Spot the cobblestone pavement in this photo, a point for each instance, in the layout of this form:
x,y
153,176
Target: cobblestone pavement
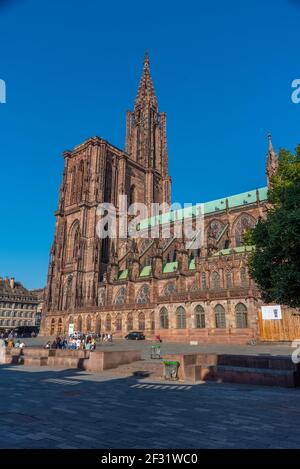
x,y
46,408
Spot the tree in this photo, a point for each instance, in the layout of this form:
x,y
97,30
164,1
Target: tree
x,y
275,262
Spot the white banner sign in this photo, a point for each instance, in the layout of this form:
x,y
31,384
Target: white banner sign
x,y
271,312
71,329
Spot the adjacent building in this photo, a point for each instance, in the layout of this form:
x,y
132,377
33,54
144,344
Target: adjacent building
x,y
18,306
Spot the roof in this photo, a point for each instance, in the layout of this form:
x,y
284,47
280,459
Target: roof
x,y
18,291
238,250
214,206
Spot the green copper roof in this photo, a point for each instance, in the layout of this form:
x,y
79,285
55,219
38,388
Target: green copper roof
x,y
123,274
214,206
146,271
238,250
170,267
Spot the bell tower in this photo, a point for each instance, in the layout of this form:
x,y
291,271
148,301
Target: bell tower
x,y
146,139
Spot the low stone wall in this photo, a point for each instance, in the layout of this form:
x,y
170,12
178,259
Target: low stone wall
x,y
100,361
270,371
95,361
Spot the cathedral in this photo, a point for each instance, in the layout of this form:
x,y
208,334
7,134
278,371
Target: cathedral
x,y
158,286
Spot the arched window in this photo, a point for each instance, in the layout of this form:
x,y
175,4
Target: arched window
x,y
79,324
228,276
220,317
98,325
132,194
244,223
152,321
129,322
180,318
119,322
199,317
143,295
169,289
120,296
215,281
241,315
142,321
101,297
203,281
73,241
59,327
71,320
52,327
164,318
243,276
88,324
108,322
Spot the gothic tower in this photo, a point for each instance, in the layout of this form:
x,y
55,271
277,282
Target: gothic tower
x,y
272,161
146,140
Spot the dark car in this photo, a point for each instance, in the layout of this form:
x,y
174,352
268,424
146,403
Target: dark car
x,y
135,336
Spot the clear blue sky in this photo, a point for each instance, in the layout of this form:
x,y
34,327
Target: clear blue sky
x,y
222,71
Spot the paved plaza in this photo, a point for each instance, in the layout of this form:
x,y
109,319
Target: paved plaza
x,y
51,408
167,347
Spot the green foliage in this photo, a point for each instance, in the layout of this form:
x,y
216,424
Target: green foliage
x,y
275,264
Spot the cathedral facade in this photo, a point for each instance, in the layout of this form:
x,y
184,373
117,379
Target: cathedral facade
x,y
158,286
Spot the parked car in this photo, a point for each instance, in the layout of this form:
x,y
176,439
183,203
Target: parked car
x,y
135,336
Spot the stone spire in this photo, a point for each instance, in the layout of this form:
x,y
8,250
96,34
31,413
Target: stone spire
x,y
146,94
272,160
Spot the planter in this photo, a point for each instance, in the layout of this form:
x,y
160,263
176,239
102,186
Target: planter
x,y
155,352
171,370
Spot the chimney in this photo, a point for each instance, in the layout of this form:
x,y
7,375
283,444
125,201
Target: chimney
x,y
12,283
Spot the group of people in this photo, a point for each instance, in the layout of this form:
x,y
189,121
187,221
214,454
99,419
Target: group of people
x,y
10,343
79,341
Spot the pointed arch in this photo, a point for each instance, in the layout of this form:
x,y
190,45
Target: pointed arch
x,y
220,317
142,323
118,322
120,296
180,318
215,280
241,316
242,224
164,318
143,295
73,241
200,322
129,322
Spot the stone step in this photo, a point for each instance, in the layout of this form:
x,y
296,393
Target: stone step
x,y
246,375
65,362
34,361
